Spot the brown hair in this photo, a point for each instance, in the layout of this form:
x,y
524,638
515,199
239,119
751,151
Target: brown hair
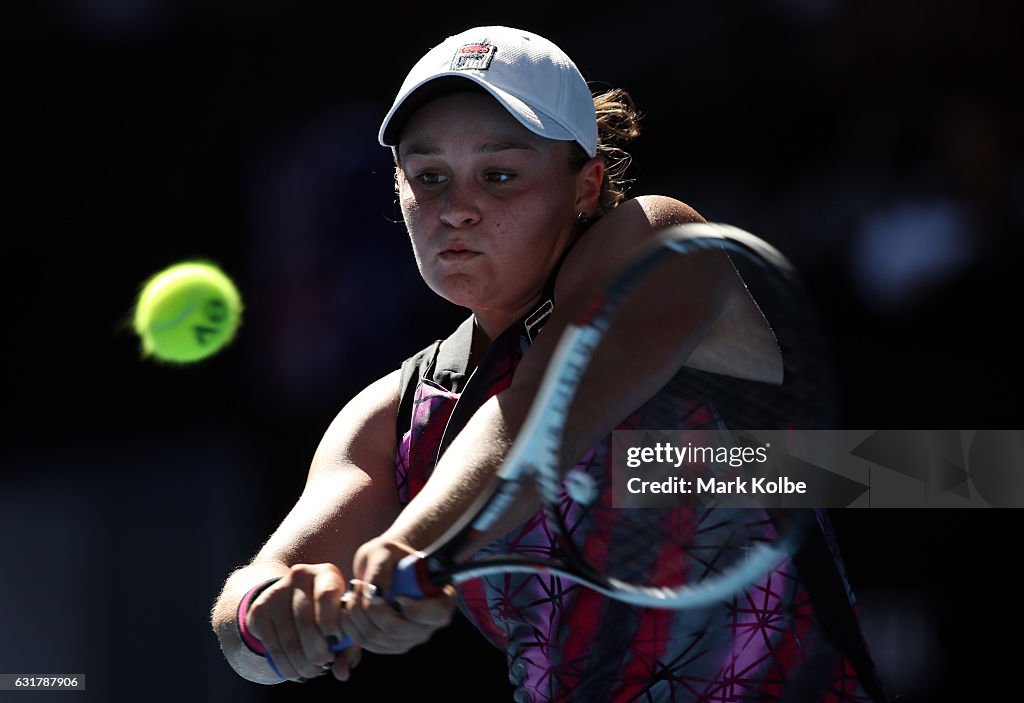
x,y
618,123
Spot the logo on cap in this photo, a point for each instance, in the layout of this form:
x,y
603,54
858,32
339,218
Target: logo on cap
x,y
473,57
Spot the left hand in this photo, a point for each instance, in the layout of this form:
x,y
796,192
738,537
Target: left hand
x,y
383,627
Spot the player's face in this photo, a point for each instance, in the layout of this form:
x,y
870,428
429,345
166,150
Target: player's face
x,y
489,205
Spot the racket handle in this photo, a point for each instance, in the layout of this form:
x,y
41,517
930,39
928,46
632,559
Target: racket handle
x,y
409,580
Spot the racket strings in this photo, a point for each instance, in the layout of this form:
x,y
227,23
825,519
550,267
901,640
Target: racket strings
x,y
670,548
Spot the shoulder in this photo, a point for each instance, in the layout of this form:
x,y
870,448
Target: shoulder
x,y
363,432
617,237
376,400
350,493
652,212
660,211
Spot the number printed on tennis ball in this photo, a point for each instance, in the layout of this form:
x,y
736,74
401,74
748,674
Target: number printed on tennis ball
x,y
187,312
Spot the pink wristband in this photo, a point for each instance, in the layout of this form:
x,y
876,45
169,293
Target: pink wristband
x,y
254,645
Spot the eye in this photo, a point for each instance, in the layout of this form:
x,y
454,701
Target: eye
x,y
499,176
429,178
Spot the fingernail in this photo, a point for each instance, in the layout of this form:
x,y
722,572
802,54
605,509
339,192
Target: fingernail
x,y
352,583
371,589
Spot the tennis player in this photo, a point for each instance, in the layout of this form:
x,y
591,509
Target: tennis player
x,y
510,176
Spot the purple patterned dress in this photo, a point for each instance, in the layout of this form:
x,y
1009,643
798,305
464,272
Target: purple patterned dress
x,y
569,643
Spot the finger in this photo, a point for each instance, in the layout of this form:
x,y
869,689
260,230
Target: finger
x,y
366,594
347,662
278,654
357,625
327,599
433,612
289,642
345,603
376,580
359,566
311,639
383,630
377,567
260,622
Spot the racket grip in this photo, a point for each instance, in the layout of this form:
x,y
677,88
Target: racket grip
x,y
409,575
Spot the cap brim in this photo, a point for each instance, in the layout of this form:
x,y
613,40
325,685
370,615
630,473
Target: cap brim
x,y
440,84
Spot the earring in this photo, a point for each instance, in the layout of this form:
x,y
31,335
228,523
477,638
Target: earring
x,y
581,217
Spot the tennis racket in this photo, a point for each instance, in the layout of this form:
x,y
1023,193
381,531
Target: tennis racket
x,y
679,556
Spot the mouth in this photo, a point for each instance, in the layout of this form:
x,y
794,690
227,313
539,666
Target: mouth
x,y
457,252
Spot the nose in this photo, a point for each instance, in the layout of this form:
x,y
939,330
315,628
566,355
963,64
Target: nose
x,y
460,207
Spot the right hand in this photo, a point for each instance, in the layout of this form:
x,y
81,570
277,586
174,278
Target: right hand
x,y
295,617
396,627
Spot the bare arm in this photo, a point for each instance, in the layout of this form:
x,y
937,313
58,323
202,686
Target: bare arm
x,y
349,497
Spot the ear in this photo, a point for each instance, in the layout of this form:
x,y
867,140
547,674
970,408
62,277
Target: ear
x,y
588,186
399,177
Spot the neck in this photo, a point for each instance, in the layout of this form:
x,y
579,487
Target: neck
x,y
490,324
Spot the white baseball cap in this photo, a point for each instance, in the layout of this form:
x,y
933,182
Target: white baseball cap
x,y
531,77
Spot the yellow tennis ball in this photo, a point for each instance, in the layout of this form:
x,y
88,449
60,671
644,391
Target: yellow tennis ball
x,y
187,312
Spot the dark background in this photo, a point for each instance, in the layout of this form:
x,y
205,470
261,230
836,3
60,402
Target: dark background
x,y
875,142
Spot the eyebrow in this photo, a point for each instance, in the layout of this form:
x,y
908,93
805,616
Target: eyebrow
x,y
492,147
